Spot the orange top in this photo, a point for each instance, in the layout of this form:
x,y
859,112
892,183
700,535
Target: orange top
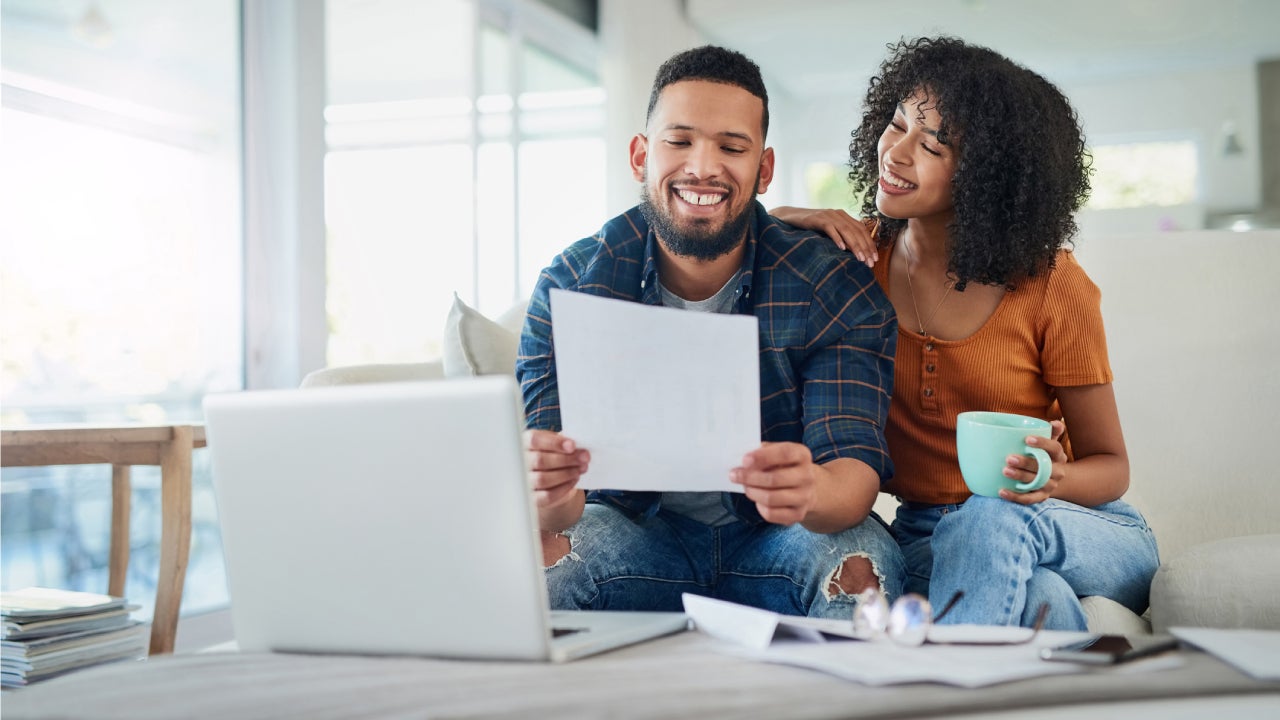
x,y
1046,333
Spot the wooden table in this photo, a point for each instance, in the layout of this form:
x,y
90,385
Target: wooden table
x,y
168,446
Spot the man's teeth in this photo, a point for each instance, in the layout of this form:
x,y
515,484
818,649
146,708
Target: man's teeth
x,y
694,198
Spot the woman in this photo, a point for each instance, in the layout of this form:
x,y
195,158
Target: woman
x,y
978,165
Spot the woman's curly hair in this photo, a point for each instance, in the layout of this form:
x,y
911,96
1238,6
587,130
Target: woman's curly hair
x,y
1022,169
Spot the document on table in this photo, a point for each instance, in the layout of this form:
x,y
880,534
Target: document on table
x,y
828,646
664,399
1254,652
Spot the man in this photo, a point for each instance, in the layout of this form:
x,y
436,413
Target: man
x,y
799,540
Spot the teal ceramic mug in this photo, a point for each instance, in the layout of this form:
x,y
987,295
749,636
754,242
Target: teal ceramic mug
x,y
985,439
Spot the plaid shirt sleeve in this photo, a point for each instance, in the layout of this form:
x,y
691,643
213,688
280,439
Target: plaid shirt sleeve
x,y
827,316
608,264
848,372
535,360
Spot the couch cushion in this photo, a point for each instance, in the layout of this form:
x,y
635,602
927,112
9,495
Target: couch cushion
x,y
513,318
1205,311
476,345
1231,583
374,373
1105,615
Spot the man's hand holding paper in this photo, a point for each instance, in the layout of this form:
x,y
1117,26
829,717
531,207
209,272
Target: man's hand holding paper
x,y
779,478
556,463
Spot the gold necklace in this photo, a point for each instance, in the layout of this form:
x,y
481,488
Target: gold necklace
x,y
912,290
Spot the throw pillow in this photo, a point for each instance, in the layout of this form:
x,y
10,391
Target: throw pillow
x,y
513,318
476,345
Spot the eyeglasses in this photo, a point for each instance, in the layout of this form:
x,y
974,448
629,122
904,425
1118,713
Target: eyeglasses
x,y
911,617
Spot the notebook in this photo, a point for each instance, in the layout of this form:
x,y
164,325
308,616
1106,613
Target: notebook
x,y
392,518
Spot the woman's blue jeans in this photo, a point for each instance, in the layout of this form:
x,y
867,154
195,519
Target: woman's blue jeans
x,y
1010,558
617,563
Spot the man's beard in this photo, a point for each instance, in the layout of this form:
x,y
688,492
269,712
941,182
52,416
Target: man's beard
x,y
698,242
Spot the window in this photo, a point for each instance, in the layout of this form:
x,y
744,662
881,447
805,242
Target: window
x,y
827,186
119,266
464,149
562,158
1149,174
463,155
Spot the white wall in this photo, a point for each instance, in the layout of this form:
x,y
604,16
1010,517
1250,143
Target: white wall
x,y
1191,105
635,38
804,132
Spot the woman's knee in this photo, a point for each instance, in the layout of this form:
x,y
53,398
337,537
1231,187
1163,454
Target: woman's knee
x,y
1049,593
984,519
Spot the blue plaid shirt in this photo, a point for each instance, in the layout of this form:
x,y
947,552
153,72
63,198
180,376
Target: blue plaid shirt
x,y
827,338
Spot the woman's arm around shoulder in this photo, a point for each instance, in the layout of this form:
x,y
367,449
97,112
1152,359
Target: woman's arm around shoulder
x,y
847,232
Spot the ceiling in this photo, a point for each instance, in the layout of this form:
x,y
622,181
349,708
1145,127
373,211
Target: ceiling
x,y
154,52
816,48
808,49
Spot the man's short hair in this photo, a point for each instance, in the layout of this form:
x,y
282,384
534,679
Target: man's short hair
x,y
712,64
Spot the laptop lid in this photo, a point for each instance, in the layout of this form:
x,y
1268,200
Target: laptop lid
x,y
392,519
380,518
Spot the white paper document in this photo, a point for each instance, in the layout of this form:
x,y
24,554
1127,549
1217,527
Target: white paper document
x,y
827,646
1254,652
664,399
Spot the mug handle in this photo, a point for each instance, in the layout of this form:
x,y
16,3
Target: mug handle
x,y
1042,472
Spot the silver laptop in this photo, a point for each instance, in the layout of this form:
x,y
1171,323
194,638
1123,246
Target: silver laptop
x,y
392,518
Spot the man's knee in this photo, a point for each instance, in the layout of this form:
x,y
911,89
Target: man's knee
x,y
555,546
855,574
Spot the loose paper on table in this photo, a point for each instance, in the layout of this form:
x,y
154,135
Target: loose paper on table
x,y
816,644
1256,652
664,399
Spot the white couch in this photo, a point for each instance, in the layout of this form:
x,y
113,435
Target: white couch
x,y
1194,338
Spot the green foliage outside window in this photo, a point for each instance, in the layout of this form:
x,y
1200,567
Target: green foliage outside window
x,y
828,186
1132,175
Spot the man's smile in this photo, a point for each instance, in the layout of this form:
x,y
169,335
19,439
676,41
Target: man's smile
x,y
701,198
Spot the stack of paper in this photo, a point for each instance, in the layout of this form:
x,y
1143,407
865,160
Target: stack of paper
x,y
48,632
